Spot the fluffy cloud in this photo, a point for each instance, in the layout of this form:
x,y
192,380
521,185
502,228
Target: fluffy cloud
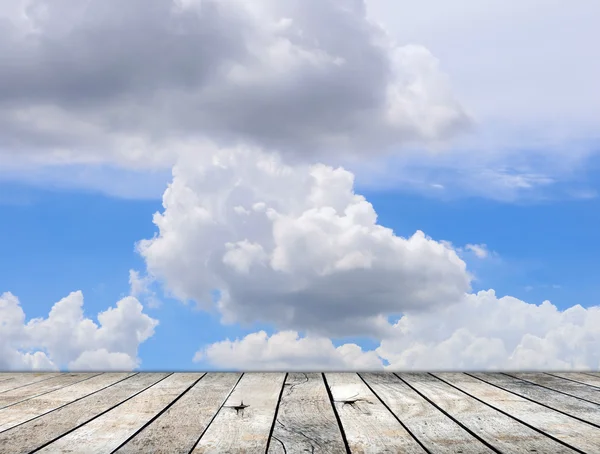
x,y
287,351
483,332
100,80
292,245
67,339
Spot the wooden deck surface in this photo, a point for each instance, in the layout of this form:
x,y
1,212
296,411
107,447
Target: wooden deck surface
x,y
279,413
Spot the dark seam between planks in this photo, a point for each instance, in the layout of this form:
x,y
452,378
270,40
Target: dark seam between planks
x,y
337,416
572,379
592,374
216,413
69,403
32,383
441,410
535,401
395,416
558,440
275,415
98,415
51,391
551,389
155,417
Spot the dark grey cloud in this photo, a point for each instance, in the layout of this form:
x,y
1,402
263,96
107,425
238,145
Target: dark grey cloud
x,y
81,78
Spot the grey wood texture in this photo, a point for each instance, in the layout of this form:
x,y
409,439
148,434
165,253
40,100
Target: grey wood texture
x,y
572,406
24,411
368,425
186,419
568,387
279,413
105,433
499,430
244,423
305,419
572,432
24,393
40,431
437,431
587,379
24,380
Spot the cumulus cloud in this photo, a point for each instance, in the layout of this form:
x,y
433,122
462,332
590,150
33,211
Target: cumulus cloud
x,y
483,332
292,245
487,332
134,83
68,339
286,350
480,250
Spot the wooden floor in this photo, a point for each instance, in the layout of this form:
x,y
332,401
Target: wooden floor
x,y
377,413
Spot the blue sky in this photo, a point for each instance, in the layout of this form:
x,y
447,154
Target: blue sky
x,y
60,240
173,199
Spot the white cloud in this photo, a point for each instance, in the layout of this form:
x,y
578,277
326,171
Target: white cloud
x,y
486,332
480,250
67,339
286,350
305,252
134,84
483,332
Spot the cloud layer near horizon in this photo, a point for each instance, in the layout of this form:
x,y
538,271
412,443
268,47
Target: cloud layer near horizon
x,y
67,339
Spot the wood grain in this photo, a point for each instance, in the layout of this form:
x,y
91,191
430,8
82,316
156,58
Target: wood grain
x,y
107,432
244,428
40,431
586,379
569,387
305,419
572,406
572,432
499,430
37,406
24,393
185,420
17,381
368,425
436,431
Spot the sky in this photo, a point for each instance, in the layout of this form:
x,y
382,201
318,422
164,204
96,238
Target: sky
x,y
311,185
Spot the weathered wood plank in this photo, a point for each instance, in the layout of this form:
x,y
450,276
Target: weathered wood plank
x,y
305,419
369,426
498,430
107,432
572,406
244,423
586,379
185,420
24,379
436,431
24,411
40,431
569,387
570,431
24,393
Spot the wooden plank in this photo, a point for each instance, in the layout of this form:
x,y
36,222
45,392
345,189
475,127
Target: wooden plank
x,y
568,387
435,430
186,419
570,431
107,432
37,406
24,380
498,430
369,426
40,431
24,393
244,423
586,379
305,419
